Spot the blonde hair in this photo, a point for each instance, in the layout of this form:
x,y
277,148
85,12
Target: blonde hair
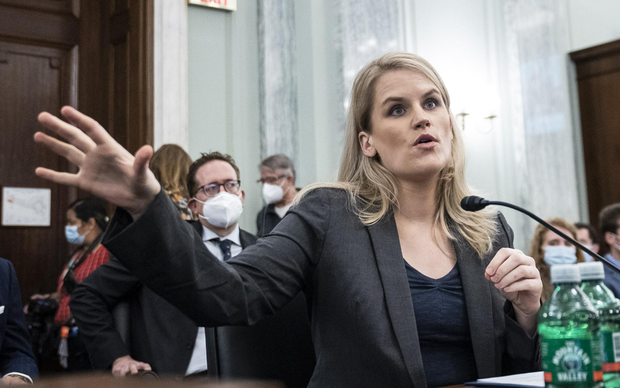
x,y
170,165
538,252
373,188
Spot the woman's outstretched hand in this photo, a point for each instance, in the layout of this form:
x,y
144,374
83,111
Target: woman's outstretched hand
x,y
106,169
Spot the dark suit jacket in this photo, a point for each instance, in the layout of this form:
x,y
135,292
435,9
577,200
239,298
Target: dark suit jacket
x,y
160,334
15,348
362,317
266,220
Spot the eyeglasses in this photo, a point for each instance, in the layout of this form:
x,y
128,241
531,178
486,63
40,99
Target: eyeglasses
x,y
271,179
211,189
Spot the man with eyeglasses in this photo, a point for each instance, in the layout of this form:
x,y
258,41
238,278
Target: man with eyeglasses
x,y
609,219
162,338
277,175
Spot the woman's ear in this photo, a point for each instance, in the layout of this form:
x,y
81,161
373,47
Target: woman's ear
x,y
366,143
91,224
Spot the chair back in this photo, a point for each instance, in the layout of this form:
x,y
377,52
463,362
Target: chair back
x,y
279,347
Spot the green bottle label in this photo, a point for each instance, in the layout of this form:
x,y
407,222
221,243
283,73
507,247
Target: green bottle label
x,y
571,360
611,351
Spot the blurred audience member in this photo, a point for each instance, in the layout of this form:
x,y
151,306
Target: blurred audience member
x,y
86,221
549,249
17,363
162,338
587,235
170,164
609,219
277,174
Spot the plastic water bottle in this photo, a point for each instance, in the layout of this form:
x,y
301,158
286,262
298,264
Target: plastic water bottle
x,y
568,326
608,307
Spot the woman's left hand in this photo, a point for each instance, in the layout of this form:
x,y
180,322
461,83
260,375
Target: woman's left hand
x,y
516,276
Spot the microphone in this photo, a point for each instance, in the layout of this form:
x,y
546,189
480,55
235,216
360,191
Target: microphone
x,y
473,204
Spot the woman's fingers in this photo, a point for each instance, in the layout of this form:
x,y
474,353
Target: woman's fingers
x,y
68,151
496,262
524,285
520,272
505,261
67,131
91,127
63,178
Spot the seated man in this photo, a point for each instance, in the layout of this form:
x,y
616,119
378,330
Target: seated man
x,y
162,338
587,235
609,219
17,362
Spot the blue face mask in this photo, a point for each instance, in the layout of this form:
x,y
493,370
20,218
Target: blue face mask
x,y
560,255
73,236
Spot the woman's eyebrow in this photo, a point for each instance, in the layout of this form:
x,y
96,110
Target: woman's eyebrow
x,y
401,99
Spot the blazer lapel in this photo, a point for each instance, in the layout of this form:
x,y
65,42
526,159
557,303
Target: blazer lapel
x,y
246,238
386,246
479,306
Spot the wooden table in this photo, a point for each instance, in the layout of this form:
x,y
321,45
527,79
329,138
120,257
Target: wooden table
x,y
97,380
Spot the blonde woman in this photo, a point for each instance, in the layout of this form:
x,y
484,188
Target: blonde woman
x,y
170,165
549,249
405,288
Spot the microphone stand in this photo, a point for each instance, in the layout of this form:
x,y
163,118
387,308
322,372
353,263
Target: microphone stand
x,y
482,203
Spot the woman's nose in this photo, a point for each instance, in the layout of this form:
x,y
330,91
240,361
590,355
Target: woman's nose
x,y
420,119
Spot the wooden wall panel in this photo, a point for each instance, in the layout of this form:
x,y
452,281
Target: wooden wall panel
x,y
63,52
598,78
38,68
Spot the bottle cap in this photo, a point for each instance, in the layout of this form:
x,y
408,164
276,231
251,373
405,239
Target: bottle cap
x,y
592,271
565,273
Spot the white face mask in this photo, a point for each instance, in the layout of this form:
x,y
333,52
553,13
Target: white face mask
x,y
272,193
222,210
560,255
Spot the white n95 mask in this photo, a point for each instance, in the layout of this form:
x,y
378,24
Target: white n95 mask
x,y
272,193
222,210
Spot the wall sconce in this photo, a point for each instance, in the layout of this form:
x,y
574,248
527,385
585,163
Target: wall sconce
x,y
461,116
482,127
488,125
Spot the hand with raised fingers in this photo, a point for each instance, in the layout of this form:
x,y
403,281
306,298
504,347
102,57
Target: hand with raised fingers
x,y
106,169
516,276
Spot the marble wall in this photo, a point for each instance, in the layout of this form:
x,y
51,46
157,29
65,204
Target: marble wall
x,y
170,72
277,50
543,146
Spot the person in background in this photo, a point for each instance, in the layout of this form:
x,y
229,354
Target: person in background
x,y
609,219
17,363
162,338
87,219
170,165
549,249
587,235
277,174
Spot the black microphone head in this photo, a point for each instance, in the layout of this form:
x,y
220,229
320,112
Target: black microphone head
x,y
473,203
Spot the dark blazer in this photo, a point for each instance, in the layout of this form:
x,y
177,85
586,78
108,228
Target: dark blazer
x,y
160,334
15,347
266,220
362,317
